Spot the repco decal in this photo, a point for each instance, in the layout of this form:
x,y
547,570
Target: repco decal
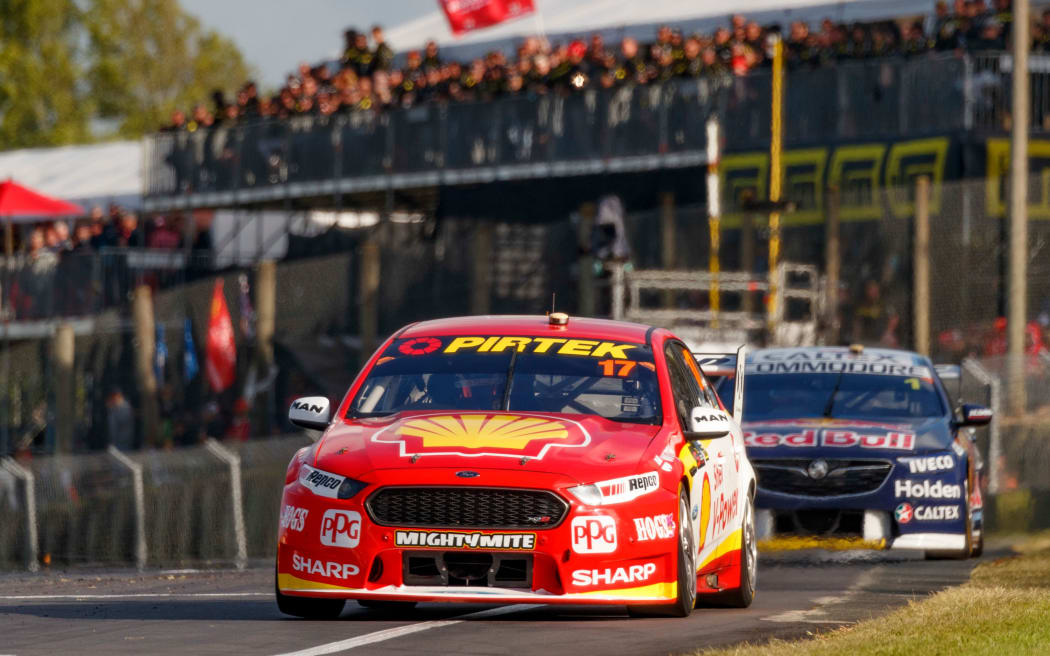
x,y
628,488
831,438
320,483
450,539
541,345
419,346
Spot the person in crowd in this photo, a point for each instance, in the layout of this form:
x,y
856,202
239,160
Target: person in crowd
x,y
120,420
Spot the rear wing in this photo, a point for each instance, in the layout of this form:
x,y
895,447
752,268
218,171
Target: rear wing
x,y
717,366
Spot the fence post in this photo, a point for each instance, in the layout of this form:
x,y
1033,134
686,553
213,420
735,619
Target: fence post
x,y
481,273
368,308
618,290
236,496
64,351
995,447
921,255
140,503
145,345
586,260
27,478
832,263
667,241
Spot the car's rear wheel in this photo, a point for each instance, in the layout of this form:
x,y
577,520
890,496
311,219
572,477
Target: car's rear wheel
x,y
741,597
308,607
683,605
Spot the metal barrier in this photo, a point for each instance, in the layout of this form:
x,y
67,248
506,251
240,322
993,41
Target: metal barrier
x,y
217,503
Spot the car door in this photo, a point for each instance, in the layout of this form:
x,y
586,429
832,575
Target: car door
x,y
714,497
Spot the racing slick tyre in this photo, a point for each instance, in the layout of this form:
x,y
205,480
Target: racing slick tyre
x,y
968,547
742,596
308,607
387,606
686,600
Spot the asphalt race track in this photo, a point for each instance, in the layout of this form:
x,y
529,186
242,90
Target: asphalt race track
x,y
230,612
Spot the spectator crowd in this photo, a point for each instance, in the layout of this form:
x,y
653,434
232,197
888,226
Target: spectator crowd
x,y
53,275
369,76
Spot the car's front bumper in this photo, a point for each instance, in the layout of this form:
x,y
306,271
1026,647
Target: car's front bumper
x,y
372,563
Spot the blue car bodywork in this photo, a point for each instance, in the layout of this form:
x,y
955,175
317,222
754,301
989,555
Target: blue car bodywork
x,y
862,443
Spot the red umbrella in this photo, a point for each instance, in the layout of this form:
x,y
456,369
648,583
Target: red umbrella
x,y
18,202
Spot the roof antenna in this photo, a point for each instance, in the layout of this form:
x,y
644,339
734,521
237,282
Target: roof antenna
x,y
552,303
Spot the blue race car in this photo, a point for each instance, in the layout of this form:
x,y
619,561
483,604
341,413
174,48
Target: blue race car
x,y
862,443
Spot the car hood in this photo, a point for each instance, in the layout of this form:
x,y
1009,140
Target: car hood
x,y
844,438
584,447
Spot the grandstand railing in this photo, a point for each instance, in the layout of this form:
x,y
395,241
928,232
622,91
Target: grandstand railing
x,y
557,134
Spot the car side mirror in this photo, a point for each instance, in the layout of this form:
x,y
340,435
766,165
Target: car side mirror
x,y
708,423
310,412
974,415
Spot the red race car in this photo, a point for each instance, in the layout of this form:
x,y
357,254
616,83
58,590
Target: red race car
x,y
520,459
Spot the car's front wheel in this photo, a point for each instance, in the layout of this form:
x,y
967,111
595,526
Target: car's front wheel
x,y
308,607
683,605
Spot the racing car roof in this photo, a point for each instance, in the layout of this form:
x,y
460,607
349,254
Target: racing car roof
x,y
828,359
529,325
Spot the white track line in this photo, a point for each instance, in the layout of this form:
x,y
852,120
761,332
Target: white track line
x,y
134,595
389,634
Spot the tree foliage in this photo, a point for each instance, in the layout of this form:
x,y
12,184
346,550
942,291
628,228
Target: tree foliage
x,y
40,92
67,66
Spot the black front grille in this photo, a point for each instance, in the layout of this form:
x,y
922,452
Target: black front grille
x,y
791,476
466,507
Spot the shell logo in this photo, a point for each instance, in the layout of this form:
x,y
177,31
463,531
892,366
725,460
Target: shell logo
x,y
513,436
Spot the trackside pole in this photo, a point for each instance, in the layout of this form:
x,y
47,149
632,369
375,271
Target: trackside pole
x,y
921,266
714,215
236,496
27,478
140,503
775,147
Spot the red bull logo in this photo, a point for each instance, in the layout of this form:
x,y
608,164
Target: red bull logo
x,y
514,436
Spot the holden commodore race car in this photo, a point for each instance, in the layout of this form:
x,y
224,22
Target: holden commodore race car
x,y
520,459
863,443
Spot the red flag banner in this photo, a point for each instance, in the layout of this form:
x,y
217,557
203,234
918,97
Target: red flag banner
x,y
221,353
466,15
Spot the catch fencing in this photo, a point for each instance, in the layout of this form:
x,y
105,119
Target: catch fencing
x,y
212,504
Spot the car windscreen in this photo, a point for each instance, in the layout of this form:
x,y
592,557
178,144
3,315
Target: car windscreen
x,y
615,380
849,396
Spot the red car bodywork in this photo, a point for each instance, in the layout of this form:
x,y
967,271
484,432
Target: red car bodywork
x,y
595,554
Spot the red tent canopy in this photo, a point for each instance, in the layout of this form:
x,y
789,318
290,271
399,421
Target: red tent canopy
x,y
18,202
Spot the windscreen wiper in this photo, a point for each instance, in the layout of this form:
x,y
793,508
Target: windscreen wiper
x,y
830,405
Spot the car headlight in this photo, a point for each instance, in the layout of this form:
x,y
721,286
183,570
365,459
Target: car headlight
x,y
588,495
350,487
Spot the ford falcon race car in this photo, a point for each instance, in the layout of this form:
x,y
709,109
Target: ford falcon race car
x,y
864,444
520,459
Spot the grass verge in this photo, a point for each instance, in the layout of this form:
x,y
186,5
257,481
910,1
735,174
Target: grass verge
x,y
1003,610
